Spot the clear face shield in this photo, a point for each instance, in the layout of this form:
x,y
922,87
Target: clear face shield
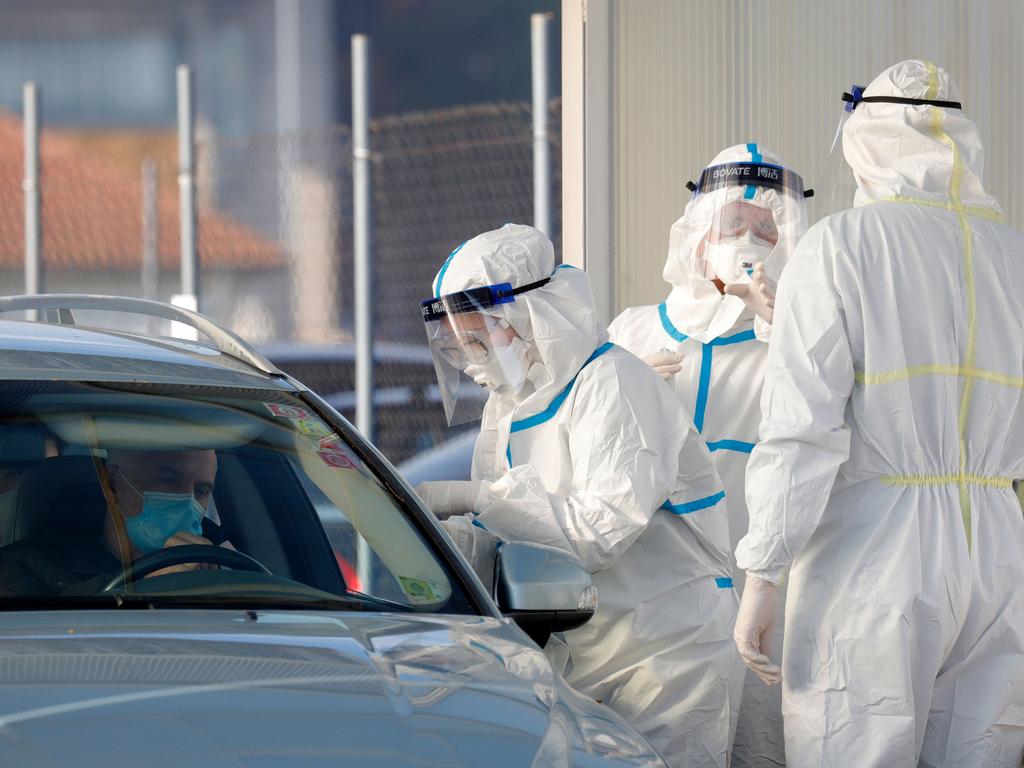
x,y
751,203
475,350
837,184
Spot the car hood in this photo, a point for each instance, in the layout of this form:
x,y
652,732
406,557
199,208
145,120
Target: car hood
x,y
232,688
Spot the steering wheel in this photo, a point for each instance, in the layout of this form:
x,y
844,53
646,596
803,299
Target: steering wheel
x,y
187,553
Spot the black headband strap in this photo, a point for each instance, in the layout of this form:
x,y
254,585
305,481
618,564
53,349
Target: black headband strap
x,y
502,293
850,98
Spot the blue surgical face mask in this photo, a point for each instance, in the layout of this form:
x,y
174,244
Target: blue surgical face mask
x,y
162,516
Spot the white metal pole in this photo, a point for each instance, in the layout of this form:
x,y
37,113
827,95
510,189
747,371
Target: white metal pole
x,y
30,185
539,25
150,266
362,228
288,104
362,223
187,189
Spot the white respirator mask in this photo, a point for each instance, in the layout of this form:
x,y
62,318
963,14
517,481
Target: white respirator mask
x,y
730,260
505,368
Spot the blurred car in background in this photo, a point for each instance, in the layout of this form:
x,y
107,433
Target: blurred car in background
x,y
407,403
451,460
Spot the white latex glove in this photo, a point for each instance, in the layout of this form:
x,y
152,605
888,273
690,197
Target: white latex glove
x,y
758,294
449,497
665,363
758,609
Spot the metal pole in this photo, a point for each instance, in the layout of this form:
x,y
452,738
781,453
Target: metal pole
x,y
288,105
150,267
539,25
187,187
33,222
362,230
361,225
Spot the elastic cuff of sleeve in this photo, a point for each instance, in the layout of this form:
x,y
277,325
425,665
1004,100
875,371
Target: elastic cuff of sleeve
x,y
483,487
771,576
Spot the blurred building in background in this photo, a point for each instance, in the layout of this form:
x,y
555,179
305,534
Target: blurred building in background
x,y
452,156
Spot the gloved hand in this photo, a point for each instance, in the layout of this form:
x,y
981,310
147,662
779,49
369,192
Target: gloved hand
x,y
449,497
758,609
665,363
758,294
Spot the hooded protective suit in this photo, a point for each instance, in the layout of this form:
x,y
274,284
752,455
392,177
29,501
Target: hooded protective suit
x,y
893,429
596,456
724,351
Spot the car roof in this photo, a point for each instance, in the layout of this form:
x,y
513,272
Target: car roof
x,y
35,350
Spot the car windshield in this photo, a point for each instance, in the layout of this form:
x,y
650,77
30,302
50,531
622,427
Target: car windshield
x,y
142,495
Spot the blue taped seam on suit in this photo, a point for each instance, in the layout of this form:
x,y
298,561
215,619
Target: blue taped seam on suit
x,y
548,413
444,268
703,387
731,445
693,506
736,338
723,582
666,323
478,524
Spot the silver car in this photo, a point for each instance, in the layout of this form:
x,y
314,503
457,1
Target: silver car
x,y
201,563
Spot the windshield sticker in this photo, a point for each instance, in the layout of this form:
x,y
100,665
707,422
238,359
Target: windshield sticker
x,y
311,427
337,460
331,444
420,591
286,411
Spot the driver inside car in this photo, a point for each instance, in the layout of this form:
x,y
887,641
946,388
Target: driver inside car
x,y
159,500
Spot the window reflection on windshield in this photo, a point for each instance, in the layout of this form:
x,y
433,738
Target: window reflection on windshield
x,y
199,493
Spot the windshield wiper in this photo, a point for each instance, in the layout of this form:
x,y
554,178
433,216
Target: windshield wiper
x,y
245,602
136,601
381,601
59,602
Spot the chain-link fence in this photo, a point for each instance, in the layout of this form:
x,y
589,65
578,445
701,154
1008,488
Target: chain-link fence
x,y
275,236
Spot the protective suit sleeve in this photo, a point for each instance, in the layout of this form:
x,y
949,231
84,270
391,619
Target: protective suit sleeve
x,y
625,454
804,439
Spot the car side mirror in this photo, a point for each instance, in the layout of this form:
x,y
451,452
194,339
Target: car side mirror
x,y
542,589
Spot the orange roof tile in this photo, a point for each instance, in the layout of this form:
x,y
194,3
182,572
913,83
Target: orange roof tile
x,y
91,211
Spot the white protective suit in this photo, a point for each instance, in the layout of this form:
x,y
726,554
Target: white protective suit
x,y
893,427
598,458
720,382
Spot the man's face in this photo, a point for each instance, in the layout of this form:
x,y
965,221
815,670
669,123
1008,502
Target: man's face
x,y
135,472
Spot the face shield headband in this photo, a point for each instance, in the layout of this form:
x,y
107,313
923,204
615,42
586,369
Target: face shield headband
x,y
857,97
474,300
749,175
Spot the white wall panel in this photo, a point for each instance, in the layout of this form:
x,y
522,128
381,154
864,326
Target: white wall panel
x,y
693,76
